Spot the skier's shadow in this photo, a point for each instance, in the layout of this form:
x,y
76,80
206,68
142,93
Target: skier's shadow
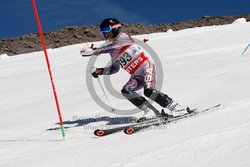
x,y
105,119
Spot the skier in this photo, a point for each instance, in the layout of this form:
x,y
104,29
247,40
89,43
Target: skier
x,y
126,54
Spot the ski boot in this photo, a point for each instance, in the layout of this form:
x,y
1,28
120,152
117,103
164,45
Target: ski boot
x,y
150,113
176,109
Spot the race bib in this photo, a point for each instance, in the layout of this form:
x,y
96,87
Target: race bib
x,y
131,58
124,59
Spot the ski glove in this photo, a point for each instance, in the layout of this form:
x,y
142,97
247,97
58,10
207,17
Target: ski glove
x,y
97,71
88,51
85,52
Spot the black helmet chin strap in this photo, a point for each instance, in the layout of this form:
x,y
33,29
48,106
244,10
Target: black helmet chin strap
x,y
116,32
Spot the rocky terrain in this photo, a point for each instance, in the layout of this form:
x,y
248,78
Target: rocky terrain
x,y
79,34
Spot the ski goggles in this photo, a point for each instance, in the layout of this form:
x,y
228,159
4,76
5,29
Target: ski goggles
x,y
105,31
108,29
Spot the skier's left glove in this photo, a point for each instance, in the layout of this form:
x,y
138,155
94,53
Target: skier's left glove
x,y
97,71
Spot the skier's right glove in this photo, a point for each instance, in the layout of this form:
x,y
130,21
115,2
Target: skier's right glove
x,y
97,71
85,52
88,51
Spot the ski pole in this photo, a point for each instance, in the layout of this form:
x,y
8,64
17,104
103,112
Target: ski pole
x,y
105,94
245,49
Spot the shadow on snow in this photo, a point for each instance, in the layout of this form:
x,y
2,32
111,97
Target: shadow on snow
x,y
86,121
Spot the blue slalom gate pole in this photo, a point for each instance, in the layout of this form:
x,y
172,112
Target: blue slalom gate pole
x,y
245,49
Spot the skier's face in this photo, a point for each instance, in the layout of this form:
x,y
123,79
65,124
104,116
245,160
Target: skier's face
x,y
107,35
107,32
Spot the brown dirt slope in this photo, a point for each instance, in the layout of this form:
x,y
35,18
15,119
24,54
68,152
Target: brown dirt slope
x,y
79,34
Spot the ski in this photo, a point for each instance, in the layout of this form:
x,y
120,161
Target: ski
x,y
133,129
104,132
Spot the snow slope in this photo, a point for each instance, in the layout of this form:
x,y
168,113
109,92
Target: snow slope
x,y
202,67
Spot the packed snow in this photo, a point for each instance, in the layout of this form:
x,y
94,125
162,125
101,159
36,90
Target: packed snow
x,y
202,67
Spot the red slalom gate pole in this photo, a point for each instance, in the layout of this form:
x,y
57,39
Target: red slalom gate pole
x,y
48,65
